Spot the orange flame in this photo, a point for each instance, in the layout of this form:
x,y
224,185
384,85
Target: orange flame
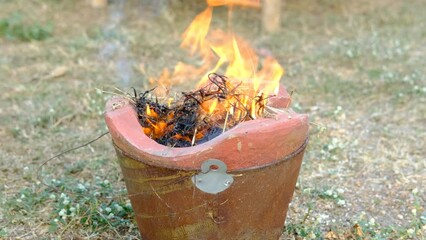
x,y
246,3
195,35
150,113
158,127
209,106
226,52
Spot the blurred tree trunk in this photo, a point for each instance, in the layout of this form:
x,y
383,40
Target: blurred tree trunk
x,y
271,15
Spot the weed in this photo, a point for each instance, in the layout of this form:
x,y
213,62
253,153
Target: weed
x,y
94,206
90,205
14,28
326,193
303,230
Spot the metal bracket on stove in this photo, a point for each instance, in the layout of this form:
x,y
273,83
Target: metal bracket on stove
x,y
213,177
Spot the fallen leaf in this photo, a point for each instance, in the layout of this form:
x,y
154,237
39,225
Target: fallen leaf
x,y
330,235
358,230
58,72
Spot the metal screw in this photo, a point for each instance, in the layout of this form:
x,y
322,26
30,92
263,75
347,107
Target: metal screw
x,y
227,183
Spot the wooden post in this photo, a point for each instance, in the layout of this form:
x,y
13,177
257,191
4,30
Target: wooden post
x,y
99,3
271,15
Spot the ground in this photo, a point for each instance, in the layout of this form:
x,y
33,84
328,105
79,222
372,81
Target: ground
x,y
356,67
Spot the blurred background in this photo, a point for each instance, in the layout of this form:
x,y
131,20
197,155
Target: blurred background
x,y
356,67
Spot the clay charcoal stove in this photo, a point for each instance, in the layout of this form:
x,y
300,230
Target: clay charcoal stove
x,y
211,163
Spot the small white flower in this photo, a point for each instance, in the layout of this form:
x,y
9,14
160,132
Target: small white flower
x,y
66,201
81,187
349,53
414,211
72,209
19,200
328,192
26,168
63,195
22,196
410,231
341,202
106,182
72,214
118,208
372,221
63,212
56,220
322,217
108,209
415,191
52,196
340,190
338,109
111,215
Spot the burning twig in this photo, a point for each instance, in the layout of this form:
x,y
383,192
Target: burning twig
x,y
200,115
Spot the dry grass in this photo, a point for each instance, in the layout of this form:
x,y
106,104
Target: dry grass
x,y
357,68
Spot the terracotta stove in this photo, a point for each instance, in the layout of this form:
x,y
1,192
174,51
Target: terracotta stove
x,y
235,186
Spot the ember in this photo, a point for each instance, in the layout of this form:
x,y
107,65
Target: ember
x,y
199,115
220,102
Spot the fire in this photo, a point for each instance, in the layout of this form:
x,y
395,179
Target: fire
x,y
247,3
248,85
151,113
195,35
210,106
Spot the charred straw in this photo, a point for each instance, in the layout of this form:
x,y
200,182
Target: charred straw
x,y
187,122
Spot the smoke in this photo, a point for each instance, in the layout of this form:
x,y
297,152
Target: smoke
x,y
116,47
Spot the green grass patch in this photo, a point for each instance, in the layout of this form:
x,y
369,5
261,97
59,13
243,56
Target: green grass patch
x,y
15,28
94,206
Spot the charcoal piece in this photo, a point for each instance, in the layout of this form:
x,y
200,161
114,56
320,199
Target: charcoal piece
x,y
214,132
